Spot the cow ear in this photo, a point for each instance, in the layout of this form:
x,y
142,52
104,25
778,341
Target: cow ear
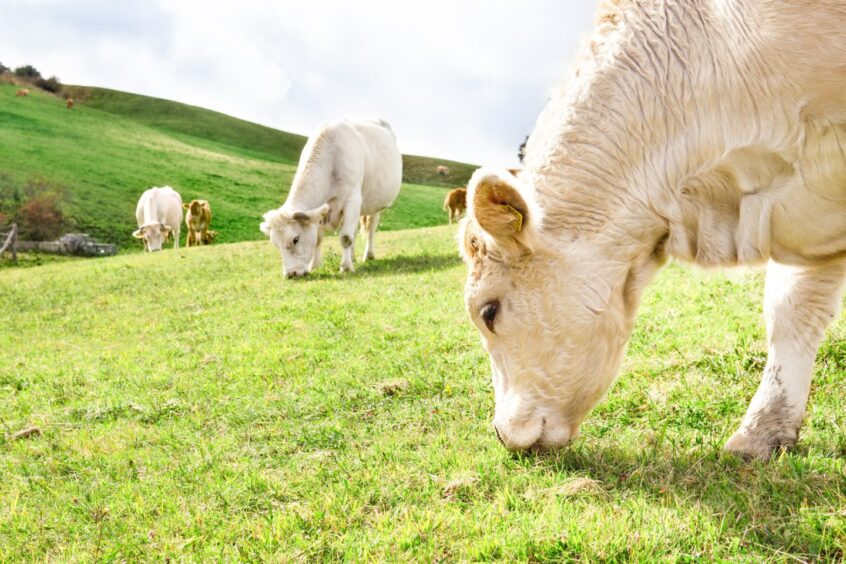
x,y
497,205
137,234
272,219
317,214
167,228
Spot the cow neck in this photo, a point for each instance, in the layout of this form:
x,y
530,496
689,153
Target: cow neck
x,y
645,112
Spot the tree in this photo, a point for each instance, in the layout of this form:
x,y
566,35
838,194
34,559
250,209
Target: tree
x,y
3,68
521,153
28,71
52,84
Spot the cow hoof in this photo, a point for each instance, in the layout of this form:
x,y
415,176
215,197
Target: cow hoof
x,y
370,256
347,267
749,446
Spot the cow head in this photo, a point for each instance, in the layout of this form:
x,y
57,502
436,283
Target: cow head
x,y
196,207
553,314
297,235
153,234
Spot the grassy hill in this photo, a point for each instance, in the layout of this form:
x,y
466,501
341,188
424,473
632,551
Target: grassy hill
x,y
114,145
223,413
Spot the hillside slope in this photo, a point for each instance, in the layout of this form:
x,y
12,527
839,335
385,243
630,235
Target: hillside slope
x,y
114,145
183,119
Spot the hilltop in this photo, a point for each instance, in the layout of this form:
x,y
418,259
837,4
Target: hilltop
x,y
113,145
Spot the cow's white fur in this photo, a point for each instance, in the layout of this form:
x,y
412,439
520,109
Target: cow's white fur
x,y
159,214
349,169
708,130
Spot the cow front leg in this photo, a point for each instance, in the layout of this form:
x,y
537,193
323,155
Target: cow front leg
x,y
799,303
371,224
316,258
348,227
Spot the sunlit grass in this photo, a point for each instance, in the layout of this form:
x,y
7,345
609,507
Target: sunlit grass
x,y
193,405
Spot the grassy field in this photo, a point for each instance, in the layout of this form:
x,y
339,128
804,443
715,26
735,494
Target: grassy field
x,y
194,406
114,145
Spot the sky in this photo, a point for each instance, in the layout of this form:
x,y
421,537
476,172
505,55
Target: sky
x,y
461,79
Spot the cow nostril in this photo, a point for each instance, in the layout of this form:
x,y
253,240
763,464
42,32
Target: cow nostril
x,y
498,436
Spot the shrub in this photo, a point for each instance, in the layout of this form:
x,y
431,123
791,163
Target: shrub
x,y
3,69
28,72
36,206
51,84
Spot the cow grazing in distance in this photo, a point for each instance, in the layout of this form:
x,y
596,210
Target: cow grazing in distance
x,y
69,103
159,215
443,170
455,203
673,139
22,92
197,219
348,169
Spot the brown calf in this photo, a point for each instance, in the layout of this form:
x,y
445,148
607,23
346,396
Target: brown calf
x,y
198,219
455,203
443,170
70,103
22,92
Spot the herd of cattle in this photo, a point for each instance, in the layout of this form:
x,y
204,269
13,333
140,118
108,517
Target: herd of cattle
x,y
708,131
349,172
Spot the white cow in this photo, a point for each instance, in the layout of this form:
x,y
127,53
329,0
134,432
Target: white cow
x,y
159,214
713,131
348,170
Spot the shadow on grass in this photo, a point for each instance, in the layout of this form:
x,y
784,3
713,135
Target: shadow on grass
x,y
784,505
388,266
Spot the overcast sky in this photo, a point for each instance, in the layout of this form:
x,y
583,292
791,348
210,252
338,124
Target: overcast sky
x,y
459,79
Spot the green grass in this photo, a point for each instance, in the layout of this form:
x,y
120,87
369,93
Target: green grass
x,y
114,145
195,406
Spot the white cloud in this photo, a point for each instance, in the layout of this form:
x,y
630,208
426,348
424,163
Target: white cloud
x,y
461,79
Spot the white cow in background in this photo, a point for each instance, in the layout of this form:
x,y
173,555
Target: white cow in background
x,y
159,214
349,169
708,130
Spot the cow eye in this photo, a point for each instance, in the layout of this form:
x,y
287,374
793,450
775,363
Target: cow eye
x,y
488,313
296,239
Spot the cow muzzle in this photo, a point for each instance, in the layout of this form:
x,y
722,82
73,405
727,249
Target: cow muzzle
x,y
534,433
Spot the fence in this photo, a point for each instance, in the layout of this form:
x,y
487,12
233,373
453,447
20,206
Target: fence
x,y
10,242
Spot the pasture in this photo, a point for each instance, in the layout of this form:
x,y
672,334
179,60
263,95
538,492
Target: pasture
x,y
114,145
194,406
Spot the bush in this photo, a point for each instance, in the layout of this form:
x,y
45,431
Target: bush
x,y
36,206
52,84
28,72
3,69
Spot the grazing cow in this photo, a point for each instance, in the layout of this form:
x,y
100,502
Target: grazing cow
x,y
69,103
22,92
707,130
455,203
443,170
197,219
348,169
159,215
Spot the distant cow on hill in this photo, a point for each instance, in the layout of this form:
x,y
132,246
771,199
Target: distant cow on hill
x,y
159,214
455,203
22,92
198,220
70,103
443,170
